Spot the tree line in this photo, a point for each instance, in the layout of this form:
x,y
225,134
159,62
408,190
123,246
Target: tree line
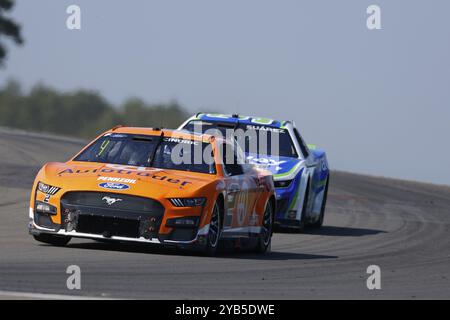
x,y
8,28
80,113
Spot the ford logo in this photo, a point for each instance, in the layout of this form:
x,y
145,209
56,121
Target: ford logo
x,y
114,186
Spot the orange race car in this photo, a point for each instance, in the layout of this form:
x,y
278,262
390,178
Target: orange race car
x,y
155,186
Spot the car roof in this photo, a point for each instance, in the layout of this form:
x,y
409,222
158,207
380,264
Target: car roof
x,y
169,133
227,118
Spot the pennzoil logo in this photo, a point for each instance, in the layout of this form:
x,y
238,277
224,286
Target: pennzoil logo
x,y
115,179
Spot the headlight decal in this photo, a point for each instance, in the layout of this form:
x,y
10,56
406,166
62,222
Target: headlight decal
x,y
47,189
188,202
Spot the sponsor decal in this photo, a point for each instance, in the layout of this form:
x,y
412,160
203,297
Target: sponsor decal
x,y
115,135
217,115
264,128
262,120
139,173
114,186
116,179
266,162
239,201
177,140
47,198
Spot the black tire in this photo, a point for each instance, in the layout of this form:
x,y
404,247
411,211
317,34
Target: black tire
x,y
51,239
215,229
265,240
319,222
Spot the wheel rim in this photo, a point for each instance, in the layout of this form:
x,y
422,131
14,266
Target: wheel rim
x,y
214,227
267,224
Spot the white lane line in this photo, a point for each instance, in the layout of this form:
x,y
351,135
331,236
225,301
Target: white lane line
x,y
4,295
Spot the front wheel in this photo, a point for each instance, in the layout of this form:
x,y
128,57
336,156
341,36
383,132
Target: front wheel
x,y
51,239
265,240
215,228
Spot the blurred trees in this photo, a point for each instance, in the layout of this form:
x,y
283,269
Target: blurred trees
x,y
8,27
81,113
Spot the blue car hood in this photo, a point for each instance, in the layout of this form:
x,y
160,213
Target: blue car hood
x,y
276,165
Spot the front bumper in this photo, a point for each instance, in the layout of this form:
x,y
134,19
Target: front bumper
x,y
196,238
286,214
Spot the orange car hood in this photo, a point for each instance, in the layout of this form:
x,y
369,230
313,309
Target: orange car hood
x,y
139,181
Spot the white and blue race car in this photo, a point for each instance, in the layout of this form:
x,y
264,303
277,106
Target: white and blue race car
x,y
300,171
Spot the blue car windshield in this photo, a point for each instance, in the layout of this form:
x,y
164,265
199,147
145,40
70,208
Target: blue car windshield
x,y
258,138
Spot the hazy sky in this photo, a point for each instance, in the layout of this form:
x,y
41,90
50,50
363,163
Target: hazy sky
x,y
377,101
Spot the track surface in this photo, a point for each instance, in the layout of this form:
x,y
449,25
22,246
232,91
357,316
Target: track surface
x,y
401,226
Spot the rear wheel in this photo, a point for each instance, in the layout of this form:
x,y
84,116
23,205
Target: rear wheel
x,y
51,239
265,240
319,221
215,228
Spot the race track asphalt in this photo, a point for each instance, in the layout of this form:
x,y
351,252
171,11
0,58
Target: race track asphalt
x,y
403,227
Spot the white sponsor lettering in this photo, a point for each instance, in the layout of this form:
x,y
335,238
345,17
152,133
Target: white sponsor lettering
x,y
176,140
115,179
264,128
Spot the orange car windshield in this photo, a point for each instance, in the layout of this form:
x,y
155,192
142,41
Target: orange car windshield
x,y
139,150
